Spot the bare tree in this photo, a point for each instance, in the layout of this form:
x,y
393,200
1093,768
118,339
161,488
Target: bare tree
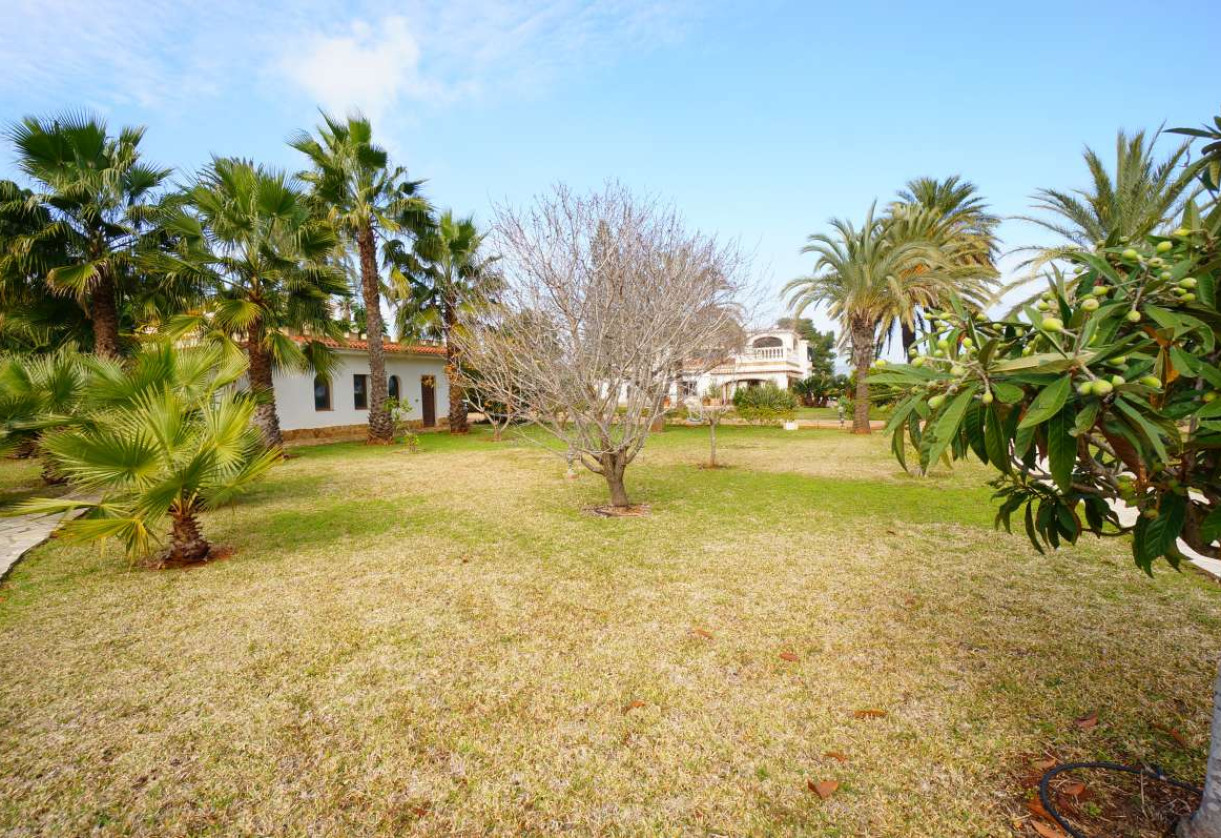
x,y
609,298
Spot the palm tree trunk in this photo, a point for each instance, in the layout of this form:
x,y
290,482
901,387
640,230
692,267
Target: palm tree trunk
x,y
187,544
262,385
457,394
614,463
862,357
104,312
381,427
908,336
1206,822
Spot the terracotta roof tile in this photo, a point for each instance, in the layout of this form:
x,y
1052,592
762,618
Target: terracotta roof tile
x,y
389,346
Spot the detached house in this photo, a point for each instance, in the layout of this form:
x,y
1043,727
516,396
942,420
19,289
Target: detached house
x,y
780,356
337,407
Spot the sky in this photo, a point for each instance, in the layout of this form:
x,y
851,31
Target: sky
x,y
758,120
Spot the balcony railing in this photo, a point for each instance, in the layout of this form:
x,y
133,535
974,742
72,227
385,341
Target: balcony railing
x,y
770,353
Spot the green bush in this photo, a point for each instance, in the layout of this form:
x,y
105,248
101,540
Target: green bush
x,y
765,403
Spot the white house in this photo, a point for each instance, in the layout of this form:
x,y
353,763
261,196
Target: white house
x,y
337,407
781,356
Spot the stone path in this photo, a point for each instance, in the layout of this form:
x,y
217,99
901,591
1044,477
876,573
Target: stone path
x,y
21,534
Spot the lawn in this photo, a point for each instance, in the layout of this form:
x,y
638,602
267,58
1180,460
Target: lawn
x,y
448,643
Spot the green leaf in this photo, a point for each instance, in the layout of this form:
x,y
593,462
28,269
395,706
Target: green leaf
x,y
1007,393
1210,527
995,442
1061,449
1147,428
946,426
1048,403
1087,416
1158,535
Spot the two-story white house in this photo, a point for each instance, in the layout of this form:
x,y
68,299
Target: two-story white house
x,y
781,356
337,406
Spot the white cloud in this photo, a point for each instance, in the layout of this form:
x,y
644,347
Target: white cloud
x,y
368,68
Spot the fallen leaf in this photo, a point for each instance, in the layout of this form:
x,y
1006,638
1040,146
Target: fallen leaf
x,y
1035,807
1173,734
836,755
704,633
1046,764
869,714
1047,830
634,704
1073,789
824,789
789,656
1087,722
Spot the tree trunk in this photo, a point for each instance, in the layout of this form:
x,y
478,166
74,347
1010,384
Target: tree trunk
x,y
1206,822
381,427
104,312
712,444
613,466
908,336
187,544
457,394
262,386
862,357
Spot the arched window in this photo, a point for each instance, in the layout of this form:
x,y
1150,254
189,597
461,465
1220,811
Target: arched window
x,y
392,387
322,393
763,343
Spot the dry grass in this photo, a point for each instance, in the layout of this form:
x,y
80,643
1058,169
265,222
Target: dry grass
x,y
447,643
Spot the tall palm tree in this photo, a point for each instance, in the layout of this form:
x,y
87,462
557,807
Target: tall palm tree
x,y
365,198
249,234
32,317
96,196
869,281
437,287
952,216
1142,196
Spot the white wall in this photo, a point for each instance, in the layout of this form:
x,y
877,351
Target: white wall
x,y
295,390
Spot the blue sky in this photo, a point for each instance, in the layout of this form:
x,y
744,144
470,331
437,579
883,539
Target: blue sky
x,y
759,120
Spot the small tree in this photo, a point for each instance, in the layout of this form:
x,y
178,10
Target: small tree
x,y
710,410
1104,392
609,297
164,438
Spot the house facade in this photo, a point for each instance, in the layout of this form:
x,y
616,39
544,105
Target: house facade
x,y
780,356
337,407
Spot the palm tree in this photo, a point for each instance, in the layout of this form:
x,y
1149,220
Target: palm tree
x,y
365,197
32,317
249,235
168,437
438,286
1141,197
952,216
869,281
94,196
39,393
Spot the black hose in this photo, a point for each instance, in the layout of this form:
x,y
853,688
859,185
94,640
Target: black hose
x,y
1152,772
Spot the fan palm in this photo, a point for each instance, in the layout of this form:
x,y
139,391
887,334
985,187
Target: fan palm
x,y
248,234
868,281
437,287
38,393
165,437
1141,197
94,197
364,197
